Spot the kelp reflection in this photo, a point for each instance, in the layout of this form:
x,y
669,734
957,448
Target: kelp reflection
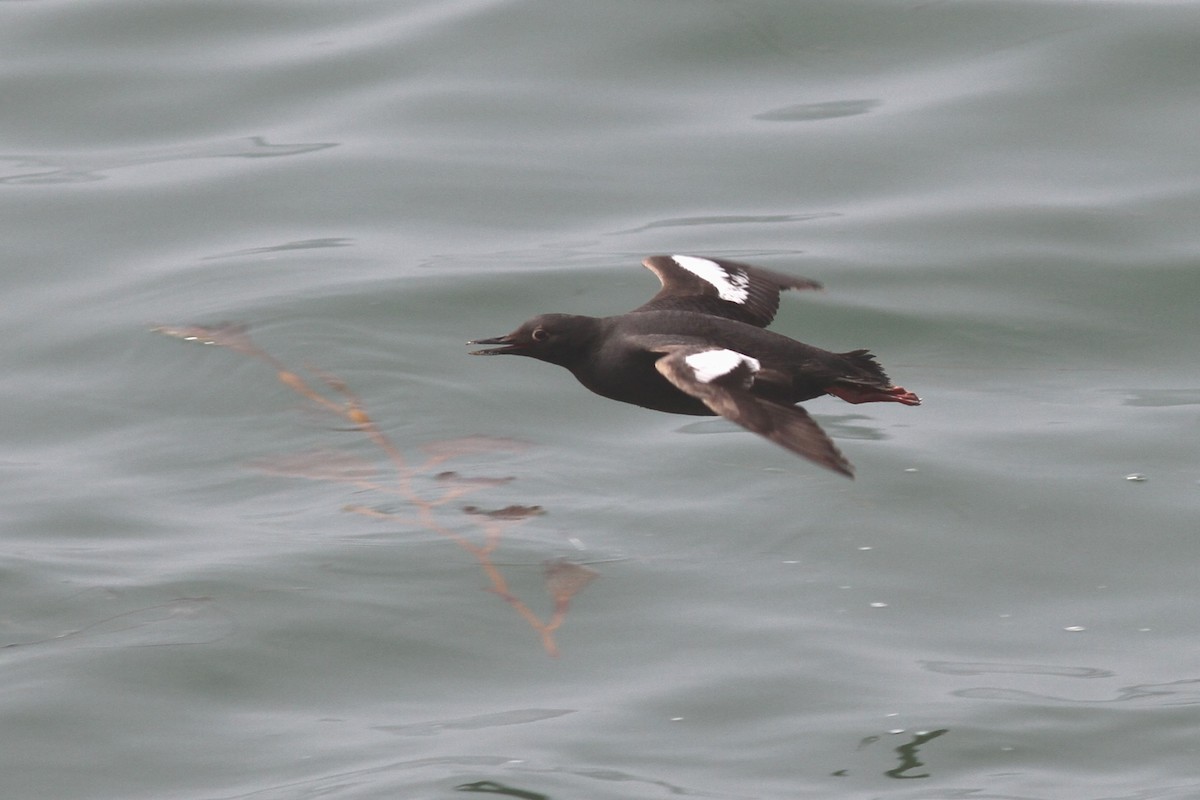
x,y
397,475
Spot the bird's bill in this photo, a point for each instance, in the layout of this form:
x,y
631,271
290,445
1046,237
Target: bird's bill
x,y
508,347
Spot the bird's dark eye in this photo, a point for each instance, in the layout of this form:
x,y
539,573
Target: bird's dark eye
x,y
539,335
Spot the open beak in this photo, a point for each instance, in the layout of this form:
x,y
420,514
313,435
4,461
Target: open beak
x,y
508,347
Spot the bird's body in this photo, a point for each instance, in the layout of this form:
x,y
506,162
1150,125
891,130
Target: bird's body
x,y
612,359
700,347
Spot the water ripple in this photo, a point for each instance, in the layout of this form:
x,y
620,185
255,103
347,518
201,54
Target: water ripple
x,y
39,170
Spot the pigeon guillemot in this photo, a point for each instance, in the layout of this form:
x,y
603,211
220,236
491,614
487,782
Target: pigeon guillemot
x,y
699,347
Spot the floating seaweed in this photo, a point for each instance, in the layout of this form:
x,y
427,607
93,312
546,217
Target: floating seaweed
x,y
563,580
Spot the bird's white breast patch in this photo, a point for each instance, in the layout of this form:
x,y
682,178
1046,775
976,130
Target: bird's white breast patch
x,y
712,364
731,286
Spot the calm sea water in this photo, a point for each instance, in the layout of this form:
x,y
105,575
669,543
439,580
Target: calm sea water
x,y
1001,199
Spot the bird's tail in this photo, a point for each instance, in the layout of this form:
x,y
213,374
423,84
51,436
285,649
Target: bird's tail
x,y
869,371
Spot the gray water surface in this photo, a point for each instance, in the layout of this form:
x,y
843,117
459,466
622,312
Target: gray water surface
x,y
1001,200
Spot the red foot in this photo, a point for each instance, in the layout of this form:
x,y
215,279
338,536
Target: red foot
x,y
852,393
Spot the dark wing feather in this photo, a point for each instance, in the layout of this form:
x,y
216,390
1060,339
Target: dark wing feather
x,y
728,395
755,290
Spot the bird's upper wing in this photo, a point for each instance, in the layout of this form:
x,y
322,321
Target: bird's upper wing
x,y
721,379
720,288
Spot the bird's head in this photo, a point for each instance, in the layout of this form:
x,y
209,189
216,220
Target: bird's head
x,y
556,338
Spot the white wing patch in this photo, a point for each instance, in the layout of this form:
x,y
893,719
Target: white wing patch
x,y
712,364
731,286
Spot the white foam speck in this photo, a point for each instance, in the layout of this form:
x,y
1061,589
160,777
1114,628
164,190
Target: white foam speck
x,y
733,287
712,364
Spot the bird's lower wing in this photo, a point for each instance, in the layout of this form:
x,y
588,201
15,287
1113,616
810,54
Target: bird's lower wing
x,y
721,379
